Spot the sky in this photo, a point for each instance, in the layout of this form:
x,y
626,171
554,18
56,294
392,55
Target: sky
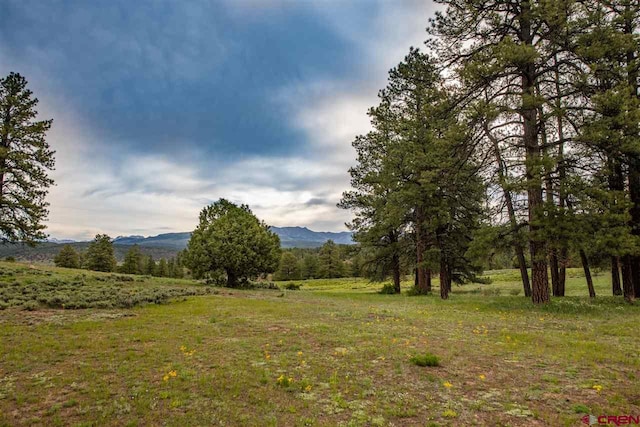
x,y
162,107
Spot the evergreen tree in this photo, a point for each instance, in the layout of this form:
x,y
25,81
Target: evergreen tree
x,y
133,261
163,268
25,159
510,48
330,264
310,267
288,269
99,256
231,239
150,267
67,257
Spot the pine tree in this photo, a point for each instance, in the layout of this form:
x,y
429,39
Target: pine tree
x,y
150,267
67,257
100,255
133,261
25,159
310,267
510,48
163,268
288,269
330,264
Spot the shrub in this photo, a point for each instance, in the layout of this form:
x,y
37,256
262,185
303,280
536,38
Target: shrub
x,y
491,292
427,359
387,289
514,292
10,259
292,286
413,291
579,408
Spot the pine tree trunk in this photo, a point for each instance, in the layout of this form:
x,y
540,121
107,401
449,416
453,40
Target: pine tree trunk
x,y
615,276
627,279
445,278
564,254
633,262
427,273
634,193
513,222
616,184
396,273
537,244
421,247
562,196
587,273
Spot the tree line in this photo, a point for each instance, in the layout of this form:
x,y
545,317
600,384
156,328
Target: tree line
x,y
519,127
99,256
327,262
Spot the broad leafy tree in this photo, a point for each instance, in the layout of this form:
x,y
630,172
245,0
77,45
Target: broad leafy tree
x,y
231,239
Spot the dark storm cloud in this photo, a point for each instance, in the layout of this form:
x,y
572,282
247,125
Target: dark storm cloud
x,y
172,75
161,107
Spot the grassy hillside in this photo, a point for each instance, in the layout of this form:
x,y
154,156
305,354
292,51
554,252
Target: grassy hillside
x,y
332,353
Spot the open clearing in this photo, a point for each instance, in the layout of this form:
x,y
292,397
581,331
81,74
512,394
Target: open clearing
x,y
332,353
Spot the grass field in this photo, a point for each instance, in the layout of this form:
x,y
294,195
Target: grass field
x,y
333,353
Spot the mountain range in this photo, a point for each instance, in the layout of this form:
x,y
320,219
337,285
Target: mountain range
x,y
165,245
290,237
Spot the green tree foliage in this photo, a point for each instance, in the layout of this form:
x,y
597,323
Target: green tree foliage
x,y
25,159
133,261
231,239
100,256
310,266
416,183
163,268
289,268
330,263
67,257
150,266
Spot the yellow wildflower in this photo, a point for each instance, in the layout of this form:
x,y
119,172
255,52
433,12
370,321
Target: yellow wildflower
x,y
447,384
308,388
173,373
299,353
597,388
165,378
482,377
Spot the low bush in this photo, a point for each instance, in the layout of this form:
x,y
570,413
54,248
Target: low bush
x,y
426,359
21,289
387,289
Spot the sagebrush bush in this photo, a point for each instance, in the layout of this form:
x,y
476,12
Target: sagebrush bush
x,y
427,359
85,291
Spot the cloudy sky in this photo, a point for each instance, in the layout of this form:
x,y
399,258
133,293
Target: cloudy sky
x,y
161,107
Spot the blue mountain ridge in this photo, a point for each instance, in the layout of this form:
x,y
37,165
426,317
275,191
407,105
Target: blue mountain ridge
x,y
290,237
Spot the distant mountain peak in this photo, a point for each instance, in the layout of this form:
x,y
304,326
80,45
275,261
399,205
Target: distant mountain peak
x,y
290,237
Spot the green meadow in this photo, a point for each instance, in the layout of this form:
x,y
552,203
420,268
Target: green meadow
x,y
335,352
